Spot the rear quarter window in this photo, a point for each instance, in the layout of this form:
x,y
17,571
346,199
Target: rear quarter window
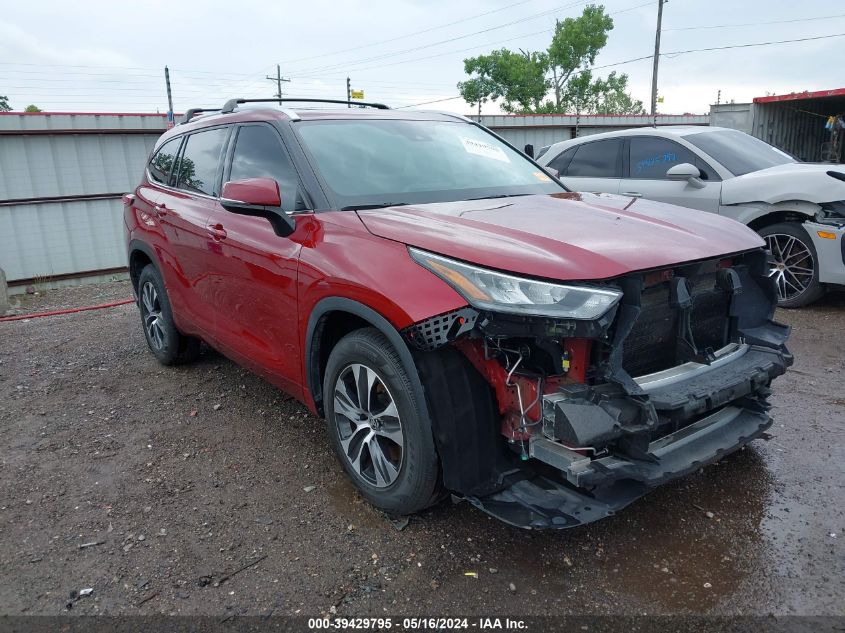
x,y
161,164
597,159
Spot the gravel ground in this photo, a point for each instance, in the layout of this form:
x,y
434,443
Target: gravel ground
x,y
157,486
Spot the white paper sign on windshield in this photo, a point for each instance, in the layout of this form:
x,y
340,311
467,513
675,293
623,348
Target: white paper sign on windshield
x,y
480,148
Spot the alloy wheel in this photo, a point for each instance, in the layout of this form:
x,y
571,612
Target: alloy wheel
x,y
368,425
794,265
151,315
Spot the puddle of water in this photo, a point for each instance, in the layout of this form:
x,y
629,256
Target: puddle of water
x,y
348,503
680,557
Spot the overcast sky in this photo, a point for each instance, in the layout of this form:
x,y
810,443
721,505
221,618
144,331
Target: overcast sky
x,y
103,56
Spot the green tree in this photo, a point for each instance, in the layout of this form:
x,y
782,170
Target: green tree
x,y
585,95
516,78
523,80
575,44
4,104
32,108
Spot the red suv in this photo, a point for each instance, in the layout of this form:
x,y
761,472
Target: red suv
x,y
461,320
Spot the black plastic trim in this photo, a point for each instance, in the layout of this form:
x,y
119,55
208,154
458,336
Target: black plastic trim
x,y
342,304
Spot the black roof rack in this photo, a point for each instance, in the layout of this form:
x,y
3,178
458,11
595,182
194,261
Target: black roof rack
x,y
194,111
231,104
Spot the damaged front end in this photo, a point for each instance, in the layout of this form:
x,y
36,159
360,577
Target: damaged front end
x,y
670,372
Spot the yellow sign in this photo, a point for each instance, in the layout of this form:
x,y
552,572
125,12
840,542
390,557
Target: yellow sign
x,y
357,94
659,99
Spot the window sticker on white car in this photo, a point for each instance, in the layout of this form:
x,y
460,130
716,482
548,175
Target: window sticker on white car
x,y
647,163
480,148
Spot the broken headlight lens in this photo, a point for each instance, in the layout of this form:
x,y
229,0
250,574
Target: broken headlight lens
x,y
490,290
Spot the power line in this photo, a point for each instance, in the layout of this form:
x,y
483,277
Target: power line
x,y
351,63
692,50
730,26
413,105
407,35
317,72
721,48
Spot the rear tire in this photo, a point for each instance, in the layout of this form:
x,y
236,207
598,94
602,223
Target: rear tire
x,y
380,433
796,270
166,342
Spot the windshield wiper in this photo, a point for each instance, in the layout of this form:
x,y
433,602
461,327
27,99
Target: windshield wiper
x,y
377,205
502,195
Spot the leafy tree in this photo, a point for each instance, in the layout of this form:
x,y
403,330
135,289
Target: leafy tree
x,y
4,104
576,43
600,96
517,78
522,80
32,108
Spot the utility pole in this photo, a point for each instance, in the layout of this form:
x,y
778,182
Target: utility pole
x,y
348,93
660,4
170,121
278,79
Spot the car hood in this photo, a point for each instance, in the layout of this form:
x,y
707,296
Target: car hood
x,y
793,181
571,236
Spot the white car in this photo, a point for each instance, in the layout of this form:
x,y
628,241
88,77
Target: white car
x,y
799,208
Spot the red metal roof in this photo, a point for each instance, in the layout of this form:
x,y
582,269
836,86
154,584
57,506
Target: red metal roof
x,y
798,96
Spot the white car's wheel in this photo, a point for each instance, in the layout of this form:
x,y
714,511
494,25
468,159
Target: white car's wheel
x,y
796,268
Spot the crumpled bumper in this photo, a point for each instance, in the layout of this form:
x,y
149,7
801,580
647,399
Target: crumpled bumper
x,y
714,410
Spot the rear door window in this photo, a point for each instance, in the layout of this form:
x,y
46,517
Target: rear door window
x,y
598,159
199,165
161,165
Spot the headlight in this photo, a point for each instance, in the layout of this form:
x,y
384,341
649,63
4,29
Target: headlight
x,y
498,292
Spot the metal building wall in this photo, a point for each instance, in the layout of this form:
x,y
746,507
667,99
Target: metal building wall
x,y
796,127
545,129
793,122
737,116
61,178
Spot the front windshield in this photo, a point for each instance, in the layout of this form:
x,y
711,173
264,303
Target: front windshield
x,y
387,161
740,153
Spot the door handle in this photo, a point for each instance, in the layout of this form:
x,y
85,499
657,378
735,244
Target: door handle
x,y
160,210
216,231
632,194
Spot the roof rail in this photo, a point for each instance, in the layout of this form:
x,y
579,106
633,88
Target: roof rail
x,y
231,104
194,111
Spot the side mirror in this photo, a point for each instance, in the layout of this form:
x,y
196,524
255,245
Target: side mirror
x,y
551,171
688,172
529,150
258,197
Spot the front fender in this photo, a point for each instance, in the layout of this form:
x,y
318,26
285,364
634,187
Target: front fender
x,y
750,211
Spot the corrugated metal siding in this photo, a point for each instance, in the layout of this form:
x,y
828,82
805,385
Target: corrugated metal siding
x,y
61,155
16,121
69,165
737,116
60,238
796,127
546,129
519,138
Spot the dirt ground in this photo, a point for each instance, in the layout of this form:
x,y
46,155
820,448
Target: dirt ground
x,y
156,487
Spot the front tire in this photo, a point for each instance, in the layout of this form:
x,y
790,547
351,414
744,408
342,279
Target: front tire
x,y
796,267
166,342
380,433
